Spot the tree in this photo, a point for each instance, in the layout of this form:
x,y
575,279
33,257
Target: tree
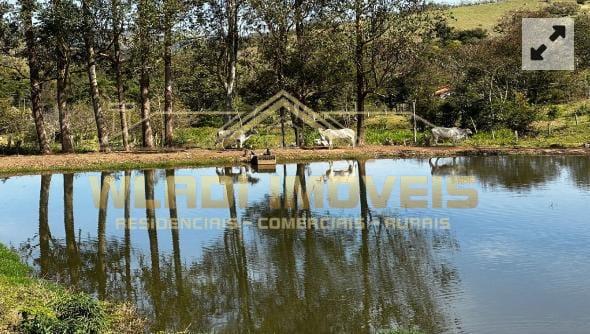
x,y
88,33
26,13
297,63
274,25
359,61
224,20
386,35
60,12
117,15
146,10
171,8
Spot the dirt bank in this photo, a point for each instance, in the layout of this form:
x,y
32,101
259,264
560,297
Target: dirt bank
x,y
12,165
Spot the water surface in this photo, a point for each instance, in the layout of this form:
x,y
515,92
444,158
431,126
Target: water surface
x,y
514,259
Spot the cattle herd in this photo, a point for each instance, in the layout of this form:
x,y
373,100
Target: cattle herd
x,y
238,138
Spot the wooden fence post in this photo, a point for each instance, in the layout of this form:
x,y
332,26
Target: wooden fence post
x,y
415,125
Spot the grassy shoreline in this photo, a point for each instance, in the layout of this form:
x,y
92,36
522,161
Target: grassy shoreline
x,y
32,305
86,162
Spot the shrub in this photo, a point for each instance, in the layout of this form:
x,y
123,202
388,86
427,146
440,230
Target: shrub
x,y
29,305
39,321
516,114
10,265
553,113
80,313
563,9
72,313
471,36
583,110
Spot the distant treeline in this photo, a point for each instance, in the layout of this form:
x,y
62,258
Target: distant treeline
x,y
91,69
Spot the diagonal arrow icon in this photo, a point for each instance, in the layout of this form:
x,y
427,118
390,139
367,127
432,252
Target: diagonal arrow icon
x,y
548,44
558,31
537,54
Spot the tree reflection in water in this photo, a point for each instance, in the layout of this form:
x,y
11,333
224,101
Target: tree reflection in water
x,y
101,262
271,280
44,232
73,254
515,173
285,280
250,279
342,280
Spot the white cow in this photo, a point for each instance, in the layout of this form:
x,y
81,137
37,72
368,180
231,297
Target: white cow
x,y
239,137
329,135
320,142
454,134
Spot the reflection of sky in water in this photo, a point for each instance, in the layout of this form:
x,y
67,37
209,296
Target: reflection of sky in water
x,y
522,254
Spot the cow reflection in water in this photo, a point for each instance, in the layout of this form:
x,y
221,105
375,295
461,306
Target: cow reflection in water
x,y
243,174
266,280
332,174
452,168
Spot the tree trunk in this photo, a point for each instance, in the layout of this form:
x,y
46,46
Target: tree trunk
x,y
360,77
61,52
168,126
146,127
299,36
282,115
231,56
121,102
144,79
27,7
67,141
117,29
103,137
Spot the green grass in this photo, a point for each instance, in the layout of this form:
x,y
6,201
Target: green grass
x,y
401,331
487,15
393,137
196,137
390,130
10,265
560,133
31,305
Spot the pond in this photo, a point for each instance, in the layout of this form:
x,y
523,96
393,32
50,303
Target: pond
x,y
465,245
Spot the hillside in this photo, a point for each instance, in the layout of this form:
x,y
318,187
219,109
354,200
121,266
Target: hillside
x,y
486,15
